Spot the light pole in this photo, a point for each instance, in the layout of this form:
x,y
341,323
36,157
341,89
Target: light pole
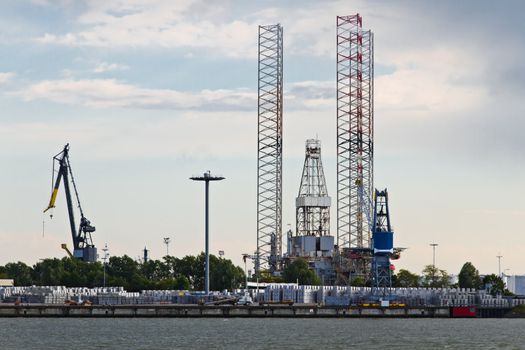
x,y
167,241
105,257
244,257
433,245
206,177
499,264
221,253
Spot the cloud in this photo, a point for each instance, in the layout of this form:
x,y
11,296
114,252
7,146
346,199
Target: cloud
x,y
103,67
164,24
6,77
110,93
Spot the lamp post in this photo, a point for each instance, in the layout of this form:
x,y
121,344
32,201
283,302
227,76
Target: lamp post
x,y
433,245
244,257
499,264
167,242
206,177
105,257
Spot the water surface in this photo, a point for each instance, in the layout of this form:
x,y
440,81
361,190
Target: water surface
x,y
206,333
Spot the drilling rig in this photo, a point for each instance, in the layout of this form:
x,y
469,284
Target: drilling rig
x,y
312,240
83,247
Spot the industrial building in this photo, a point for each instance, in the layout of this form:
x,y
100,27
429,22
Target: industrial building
x,y
7,282
515,284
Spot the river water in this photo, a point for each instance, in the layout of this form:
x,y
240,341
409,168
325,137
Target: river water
x,y
206,333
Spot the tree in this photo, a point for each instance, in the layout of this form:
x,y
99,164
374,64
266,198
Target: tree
x,y
155,270
298,270
469,277
124,271
434,277
495,285
358,281
224,274
48,272
177,283
406,279
3,274
19,272
170,273
193,268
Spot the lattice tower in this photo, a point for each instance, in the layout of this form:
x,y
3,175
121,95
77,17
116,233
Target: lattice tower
x,y
269,151
355,131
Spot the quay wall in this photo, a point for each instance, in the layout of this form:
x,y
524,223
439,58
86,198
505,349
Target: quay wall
x,y
226,311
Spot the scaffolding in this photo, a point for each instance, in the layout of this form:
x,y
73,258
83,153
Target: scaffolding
x,y
269,150
355,132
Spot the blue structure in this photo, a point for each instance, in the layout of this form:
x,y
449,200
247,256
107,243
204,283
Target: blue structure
x,y
382,242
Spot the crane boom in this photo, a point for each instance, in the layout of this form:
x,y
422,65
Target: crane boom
x,y
83,247
58,179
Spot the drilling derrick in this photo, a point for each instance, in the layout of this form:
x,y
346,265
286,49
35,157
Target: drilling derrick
x,y
313,202
355,135
312,240
269,150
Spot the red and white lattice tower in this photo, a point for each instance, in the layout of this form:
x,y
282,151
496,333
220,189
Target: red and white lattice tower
x,y
355,131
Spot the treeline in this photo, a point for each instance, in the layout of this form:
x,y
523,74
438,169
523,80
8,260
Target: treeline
x,y
430,277
433,277
185,273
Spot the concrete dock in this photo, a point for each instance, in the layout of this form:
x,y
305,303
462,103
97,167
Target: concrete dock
x,y
222,311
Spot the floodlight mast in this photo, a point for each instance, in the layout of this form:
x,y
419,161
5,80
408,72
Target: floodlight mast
x,y
207,177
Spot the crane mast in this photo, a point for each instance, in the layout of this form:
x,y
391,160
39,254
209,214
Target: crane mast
x,y
83,247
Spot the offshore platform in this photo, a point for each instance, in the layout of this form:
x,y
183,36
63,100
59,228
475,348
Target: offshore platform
x,y
363,247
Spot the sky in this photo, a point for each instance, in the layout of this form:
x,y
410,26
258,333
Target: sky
x,y
149,93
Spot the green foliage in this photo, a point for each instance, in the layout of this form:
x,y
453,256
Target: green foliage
x,y
495,285
177,283
435,278
405,279
267,277
224,275
20,272
469,277
358,281
193,268
170,273
124,271
298,270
